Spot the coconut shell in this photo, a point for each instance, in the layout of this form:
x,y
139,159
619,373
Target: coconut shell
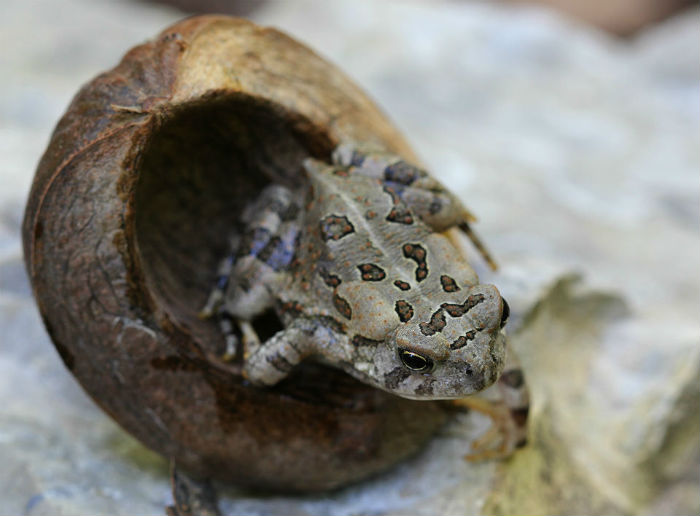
x,y
131,208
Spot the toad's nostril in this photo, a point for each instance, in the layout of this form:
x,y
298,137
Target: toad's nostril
x,y
505,313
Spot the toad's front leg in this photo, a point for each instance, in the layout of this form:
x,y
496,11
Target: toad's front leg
x,y
269,362
509,415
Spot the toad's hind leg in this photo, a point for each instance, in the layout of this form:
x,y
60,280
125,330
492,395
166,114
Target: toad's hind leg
x,y
260,255
422,194
216,297
228,327
214,307
455,234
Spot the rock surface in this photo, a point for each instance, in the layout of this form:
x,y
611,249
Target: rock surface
x,y
579,154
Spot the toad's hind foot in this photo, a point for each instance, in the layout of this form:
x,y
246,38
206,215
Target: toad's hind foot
x,y
249,337
251,340
454,235
212,305
227,325
507,432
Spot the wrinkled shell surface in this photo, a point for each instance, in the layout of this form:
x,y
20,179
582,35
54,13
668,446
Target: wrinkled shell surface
x,y
131,208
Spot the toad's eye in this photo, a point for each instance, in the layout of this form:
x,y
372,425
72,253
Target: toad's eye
x,y
415,362
505,313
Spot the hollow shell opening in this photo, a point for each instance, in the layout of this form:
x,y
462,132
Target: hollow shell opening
x,y
197,173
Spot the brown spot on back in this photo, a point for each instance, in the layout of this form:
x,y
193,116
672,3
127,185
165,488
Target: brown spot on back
x,y
417,253
342,306
404,310
457,310
371,272
335,227
436,324
448,284
329,279
402,285
400,216
462,340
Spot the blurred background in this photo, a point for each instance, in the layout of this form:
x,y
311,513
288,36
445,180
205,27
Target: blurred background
x,y
570,127
618,17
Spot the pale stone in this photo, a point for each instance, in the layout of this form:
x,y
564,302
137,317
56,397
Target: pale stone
x,y
577,152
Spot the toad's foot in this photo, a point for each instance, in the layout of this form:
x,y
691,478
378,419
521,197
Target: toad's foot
x,y
228,324
249,337
191,497
507,432
251,341
212,305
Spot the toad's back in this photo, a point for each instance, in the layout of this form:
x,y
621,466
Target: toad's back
x,y
365,254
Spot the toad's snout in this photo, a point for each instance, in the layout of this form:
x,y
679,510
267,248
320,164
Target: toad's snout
x,y
485,307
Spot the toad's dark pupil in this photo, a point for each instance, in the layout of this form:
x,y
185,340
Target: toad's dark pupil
x,y
505,313
414,361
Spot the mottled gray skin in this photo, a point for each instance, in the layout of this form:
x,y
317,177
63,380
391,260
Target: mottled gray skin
x,y
362,279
